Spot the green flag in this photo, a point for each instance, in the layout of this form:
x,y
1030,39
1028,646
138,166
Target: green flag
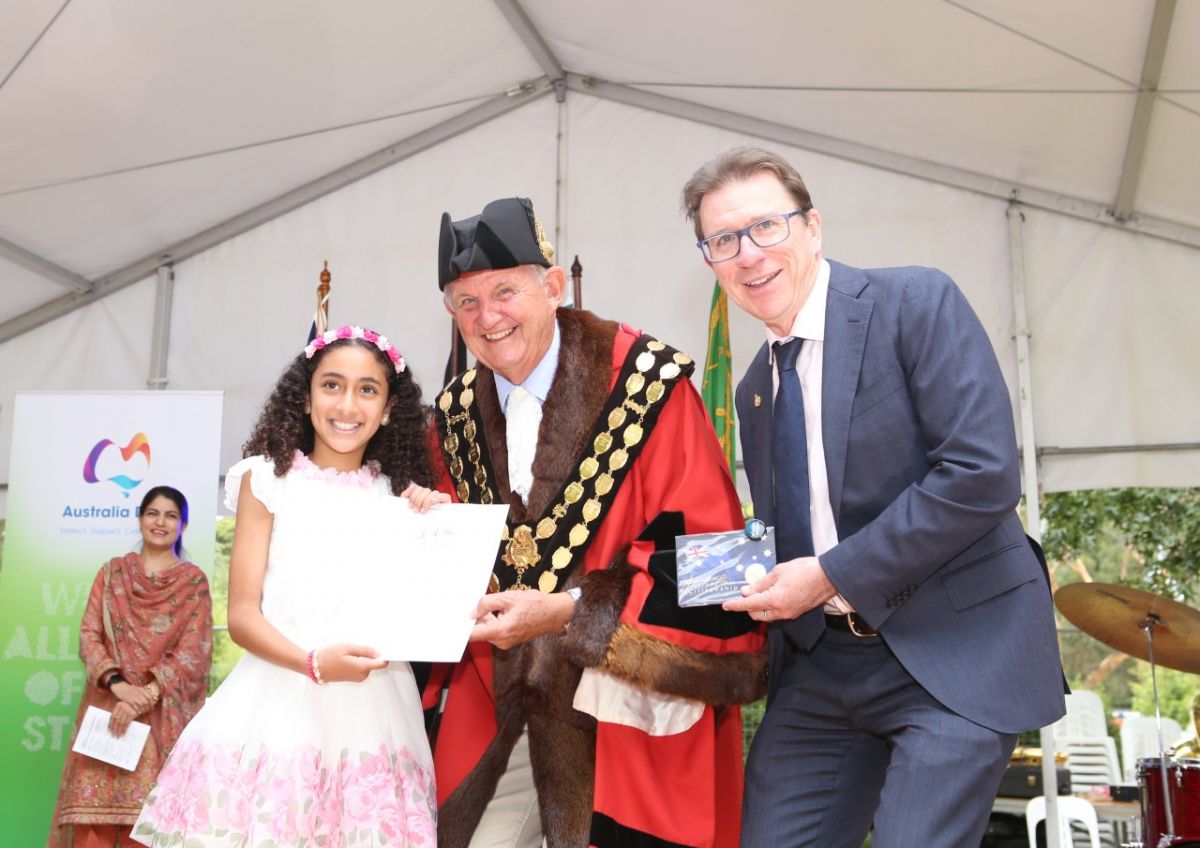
x,y
717,386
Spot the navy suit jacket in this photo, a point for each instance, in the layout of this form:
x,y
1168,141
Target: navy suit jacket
x,y
924,479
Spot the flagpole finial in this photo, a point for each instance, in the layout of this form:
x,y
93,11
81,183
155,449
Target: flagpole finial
x,y
322,316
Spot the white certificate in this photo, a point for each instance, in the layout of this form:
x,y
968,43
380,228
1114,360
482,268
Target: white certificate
x,y
421,587
94,740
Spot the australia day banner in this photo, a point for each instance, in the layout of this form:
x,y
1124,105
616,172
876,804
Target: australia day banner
x,y
81,463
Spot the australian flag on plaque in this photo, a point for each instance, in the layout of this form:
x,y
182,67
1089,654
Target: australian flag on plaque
x,y
713,567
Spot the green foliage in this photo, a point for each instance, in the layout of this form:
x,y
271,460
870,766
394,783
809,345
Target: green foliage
x,y
1145,538
1157,532
1175,692
3,524
225,652
751,717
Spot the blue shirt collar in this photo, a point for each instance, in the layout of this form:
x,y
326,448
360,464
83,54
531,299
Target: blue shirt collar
x,y
539,379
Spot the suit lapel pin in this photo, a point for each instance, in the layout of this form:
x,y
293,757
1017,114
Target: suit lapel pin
x,y
757,400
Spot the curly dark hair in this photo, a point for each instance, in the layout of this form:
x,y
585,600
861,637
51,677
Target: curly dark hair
x,y
399,446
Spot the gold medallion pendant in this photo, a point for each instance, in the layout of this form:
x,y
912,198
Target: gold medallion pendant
x,y
521,552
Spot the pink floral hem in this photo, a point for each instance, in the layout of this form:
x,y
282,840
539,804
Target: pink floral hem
x,y
231,795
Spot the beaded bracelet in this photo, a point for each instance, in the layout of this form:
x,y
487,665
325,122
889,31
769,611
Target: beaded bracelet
x,y
314,668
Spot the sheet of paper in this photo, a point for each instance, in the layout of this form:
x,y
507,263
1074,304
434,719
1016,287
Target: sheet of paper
x,y
95,740
419,591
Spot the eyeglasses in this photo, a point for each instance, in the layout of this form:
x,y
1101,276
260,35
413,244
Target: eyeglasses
x,y
764,232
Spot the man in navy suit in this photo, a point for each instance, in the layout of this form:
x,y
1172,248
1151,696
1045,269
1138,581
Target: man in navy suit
x,y
911,627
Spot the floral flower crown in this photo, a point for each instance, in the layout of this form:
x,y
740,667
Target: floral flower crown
x,y
348,332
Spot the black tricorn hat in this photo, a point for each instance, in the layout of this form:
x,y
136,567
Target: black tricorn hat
x,y
504,235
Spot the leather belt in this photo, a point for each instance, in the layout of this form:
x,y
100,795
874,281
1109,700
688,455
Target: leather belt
x,y
850,623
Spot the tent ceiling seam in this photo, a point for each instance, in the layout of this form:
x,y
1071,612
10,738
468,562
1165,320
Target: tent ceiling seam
x,y
271,209
34,44
862,154
250,145
1045,45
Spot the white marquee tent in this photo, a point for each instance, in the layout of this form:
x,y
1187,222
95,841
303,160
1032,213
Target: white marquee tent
x,y
172,176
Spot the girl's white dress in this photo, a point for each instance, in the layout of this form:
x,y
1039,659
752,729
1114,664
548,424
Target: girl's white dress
x,y
274,759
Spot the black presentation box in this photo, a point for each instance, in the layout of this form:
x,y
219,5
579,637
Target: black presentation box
x,y
1026,782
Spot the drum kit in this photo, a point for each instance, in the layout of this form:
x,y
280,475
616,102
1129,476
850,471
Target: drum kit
x,y
1163,632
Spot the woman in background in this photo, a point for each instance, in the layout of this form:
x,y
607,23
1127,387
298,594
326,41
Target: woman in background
x,y
146,640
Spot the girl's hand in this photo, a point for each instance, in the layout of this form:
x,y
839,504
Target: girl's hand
x,y
122,714
135,696
421,499
345,662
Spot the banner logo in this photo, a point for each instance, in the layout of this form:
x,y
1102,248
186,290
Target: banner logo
x,y
138,444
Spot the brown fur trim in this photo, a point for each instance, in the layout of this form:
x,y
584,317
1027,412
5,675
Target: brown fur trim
x,y
575,401
563,758
642,659
598,612
597,639
460,814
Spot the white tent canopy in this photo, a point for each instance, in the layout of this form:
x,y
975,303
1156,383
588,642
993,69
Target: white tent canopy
x,y
173,175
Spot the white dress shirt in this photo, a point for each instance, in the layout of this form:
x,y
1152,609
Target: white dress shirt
x,y
810,325
522,407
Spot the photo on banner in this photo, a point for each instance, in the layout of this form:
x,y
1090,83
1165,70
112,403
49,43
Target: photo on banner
x,y
81,462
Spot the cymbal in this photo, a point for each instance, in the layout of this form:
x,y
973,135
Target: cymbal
x,y
1116,614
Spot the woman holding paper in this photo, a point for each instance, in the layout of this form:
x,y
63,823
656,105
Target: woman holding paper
x,y
146,642
311,739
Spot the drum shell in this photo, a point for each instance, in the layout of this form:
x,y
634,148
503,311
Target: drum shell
x,y
1183,782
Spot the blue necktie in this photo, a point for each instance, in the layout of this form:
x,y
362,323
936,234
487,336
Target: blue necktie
x,y
793,534
789,449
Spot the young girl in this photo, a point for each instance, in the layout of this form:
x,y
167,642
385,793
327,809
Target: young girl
x,y
307,742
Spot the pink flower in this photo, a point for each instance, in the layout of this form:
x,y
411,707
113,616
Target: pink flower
x,y
308,764
163,808
172,776
345,333
282,824
327,809
318,342
375,772
371,336
360,805
422,828
225,761
391,819
236,813
393,355
193,813
278,790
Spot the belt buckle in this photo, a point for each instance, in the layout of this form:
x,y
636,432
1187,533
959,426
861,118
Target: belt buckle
x,y
852,619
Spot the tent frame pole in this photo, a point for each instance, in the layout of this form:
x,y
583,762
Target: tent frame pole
x,y
1029,458
164,297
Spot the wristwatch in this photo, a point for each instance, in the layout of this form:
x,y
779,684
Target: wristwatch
x,y
115,677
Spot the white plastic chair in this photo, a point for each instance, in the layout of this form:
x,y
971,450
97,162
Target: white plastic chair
x,y
1069,809
1139,739
1084,718
1092,761
1093,764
